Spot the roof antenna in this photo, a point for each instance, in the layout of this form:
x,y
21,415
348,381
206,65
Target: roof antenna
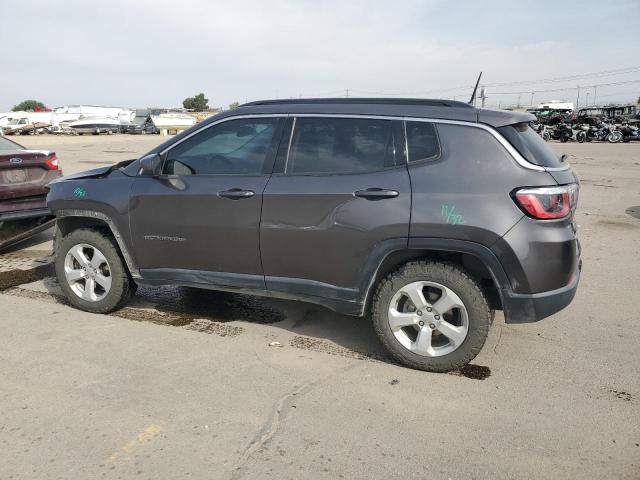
x,y
473,95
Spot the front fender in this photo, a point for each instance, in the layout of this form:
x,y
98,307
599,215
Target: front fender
x,y
105,199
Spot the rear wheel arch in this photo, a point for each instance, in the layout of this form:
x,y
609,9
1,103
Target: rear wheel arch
x,y
475,259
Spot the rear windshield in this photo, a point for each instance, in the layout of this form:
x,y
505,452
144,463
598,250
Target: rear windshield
x,y
530,145
6,144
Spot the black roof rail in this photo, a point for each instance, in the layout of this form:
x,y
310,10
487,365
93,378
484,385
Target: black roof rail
x,y
356,100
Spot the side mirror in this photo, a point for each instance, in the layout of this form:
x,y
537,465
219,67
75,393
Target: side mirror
x,y
150,166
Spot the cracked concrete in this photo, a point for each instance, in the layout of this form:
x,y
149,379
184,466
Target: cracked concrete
x,y
280,410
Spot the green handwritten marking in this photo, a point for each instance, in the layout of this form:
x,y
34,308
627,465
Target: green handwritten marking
x,y
449,215
79,192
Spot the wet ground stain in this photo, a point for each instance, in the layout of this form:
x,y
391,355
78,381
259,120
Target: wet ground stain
x,y
13,278
617,224
189,303
202,325
474,372
622,395
633,211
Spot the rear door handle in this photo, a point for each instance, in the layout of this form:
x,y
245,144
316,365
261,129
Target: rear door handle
x,y
236,194
376,193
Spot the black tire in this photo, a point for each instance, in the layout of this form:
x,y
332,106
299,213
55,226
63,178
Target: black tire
x,y
122,286
452,277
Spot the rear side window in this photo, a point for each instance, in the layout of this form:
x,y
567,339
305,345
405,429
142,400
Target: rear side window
x,y
422,141
340,145
530,145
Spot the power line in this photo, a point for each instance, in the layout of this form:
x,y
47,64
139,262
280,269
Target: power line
x,y
567,89
619,71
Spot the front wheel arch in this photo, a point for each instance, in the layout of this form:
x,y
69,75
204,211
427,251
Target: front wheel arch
x,y
69,220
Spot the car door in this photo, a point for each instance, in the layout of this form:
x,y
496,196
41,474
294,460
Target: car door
x,y
198,222
340,189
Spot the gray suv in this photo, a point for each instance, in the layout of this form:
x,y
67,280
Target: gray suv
x,y
427,215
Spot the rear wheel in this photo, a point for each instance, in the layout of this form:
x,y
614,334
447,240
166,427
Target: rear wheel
x,y
91,271
581,137
431,316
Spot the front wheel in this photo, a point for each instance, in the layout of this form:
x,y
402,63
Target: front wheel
x,y
431,316
614,137
546,136
581,137
91,271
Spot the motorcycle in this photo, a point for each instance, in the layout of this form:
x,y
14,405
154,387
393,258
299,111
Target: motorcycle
x,y
581,133
562,132
541,130
629,133
565,132
603,133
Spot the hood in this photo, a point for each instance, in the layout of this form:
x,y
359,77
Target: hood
x,y
95,172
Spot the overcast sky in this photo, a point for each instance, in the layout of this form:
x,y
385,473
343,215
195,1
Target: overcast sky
x,y
155,53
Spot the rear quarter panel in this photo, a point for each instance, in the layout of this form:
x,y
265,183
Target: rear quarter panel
x,y
465,193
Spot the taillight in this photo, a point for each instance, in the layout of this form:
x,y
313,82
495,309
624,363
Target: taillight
x,y
51,163
548,203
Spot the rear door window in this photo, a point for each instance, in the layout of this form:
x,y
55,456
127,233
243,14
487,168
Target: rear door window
x,y
530,145
325,145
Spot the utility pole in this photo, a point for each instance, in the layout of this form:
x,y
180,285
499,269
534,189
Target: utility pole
x,y
578,98
595,93
587,100
518,106
532,93
483,95
346,92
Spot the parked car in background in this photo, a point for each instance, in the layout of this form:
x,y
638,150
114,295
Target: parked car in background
x,y
142,124
427,215
24,175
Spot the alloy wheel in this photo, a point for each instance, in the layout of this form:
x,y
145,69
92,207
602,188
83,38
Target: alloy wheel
x,y
428,318
87,272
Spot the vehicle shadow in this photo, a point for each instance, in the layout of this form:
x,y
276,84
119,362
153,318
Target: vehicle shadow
x,y
313,327
354,336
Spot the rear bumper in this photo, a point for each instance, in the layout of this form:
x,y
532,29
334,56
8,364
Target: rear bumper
x,y
28,207
21,214
523,308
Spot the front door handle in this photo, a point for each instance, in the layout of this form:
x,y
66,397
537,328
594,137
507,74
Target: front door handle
x,y
236,194
376,193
